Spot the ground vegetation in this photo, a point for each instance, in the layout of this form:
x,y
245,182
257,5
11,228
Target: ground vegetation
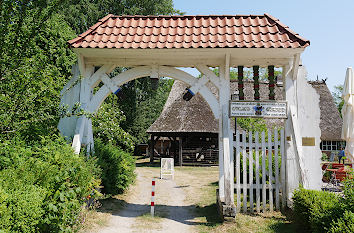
x,y
43,184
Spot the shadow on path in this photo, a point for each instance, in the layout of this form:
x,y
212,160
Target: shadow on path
x,y
122,208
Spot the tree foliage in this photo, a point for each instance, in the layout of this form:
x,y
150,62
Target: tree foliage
x,y
337,96
142,105
107,125
84,13
35,60
34,66
43,184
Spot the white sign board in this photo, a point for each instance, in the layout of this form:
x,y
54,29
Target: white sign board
x,y
167,168
260,109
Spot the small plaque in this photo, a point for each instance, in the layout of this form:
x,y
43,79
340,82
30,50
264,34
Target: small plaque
x,y
288,138
308,141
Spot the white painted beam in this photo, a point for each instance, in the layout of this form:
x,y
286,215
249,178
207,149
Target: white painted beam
x,y
108,82
295,67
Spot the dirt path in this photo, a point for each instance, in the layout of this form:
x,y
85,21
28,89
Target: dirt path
x,y
173,214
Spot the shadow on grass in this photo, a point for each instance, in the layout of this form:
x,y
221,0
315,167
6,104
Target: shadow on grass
x,y
146,163
210,213
193,214
182,214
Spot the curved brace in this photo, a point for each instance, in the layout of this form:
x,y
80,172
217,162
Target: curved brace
x,y
144,71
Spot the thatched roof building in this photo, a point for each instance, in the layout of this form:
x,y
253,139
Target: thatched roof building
x,y
331,122
180,116
197,129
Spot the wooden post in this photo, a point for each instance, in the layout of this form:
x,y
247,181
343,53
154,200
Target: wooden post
x,y
180,152
282,168
257,173
264,175
175,148
276,144
152,144
241,94
256,82
271,82
250,168
270,170
244,168
238,173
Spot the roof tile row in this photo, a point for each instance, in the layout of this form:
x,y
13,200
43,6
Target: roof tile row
x,y
189,32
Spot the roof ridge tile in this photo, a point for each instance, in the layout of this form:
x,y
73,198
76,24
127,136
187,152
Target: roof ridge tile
x,y
287,29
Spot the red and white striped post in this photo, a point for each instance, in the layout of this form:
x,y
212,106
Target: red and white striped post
x,y
153,198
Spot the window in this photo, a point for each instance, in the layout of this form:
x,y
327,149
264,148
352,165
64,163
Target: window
x,y
331,145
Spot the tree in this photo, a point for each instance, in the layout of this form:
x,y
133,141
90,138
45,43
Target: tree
x,y
36,62
337,96
142,105
107,125
248,73
84,13
34,66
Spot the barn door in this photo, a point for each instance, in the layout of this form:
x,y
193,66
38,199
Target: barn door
x,y
259,170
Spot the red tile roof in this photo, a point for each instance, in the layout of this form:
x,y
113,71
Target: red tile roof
x,y
198,31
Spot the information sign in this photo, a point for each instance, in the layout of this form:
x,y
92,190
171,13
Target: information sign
x,y
259,109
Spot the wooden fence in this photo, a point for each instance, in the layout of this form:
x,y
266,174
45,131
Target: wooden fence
x,y
260,170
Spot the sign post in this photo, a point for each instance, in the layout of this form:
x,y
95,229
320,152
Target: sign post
x,y
258,109
167,168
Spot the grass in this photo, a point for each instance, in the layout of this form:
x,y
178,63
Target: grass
x,y
92,219
147,222
199,185
99,215
201,191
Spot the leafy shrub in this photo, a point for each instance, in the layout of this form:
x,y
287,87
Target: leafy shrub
x,y
321,211
107,126
43,186
344,224
117,167
348,191
315,209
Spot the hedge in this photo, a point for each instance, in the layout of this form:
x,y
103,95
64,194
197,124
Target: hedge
x,y
320,211
117,167
44,186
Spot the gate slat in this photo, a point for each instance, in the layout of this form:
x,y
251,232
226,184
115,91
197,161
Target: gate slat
x,y
257,172
238,181
244,167
264,191
270,170
276,169
282,169
250,160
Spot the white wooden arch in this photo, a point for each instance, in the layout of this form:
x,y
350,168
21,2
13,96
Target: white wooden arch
x,y
113,84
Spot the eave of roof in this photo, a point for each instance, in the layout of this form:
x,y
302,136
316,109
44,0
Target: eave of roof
x,y
189,31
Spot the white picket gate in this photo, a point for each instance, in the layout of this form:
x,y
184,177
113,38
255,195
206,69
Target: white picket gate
x,y
257,188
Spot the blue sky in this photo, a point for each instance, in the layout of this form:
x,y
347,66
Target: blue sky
x,y
329,25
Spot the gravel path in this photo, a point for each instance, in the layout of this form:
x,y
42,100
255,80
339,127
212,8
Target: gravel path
x,y
173,215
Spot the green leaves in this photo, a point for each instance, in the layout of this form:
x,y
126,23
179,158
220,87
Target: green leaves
x,y
117,167
44,186
337,96
142,105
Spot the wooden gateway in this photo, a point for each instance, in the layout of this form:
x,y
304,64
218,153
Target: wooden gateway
x,y
156,45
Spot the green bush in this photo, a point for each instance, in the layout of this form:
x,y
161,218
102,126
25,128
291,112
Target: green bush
x,y
344,224
117,167
321,211
43,186
348,191
316,209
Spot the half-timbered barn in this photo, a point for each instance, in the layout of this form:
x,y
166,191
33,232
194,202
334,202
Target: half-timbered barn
x,y
188,130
